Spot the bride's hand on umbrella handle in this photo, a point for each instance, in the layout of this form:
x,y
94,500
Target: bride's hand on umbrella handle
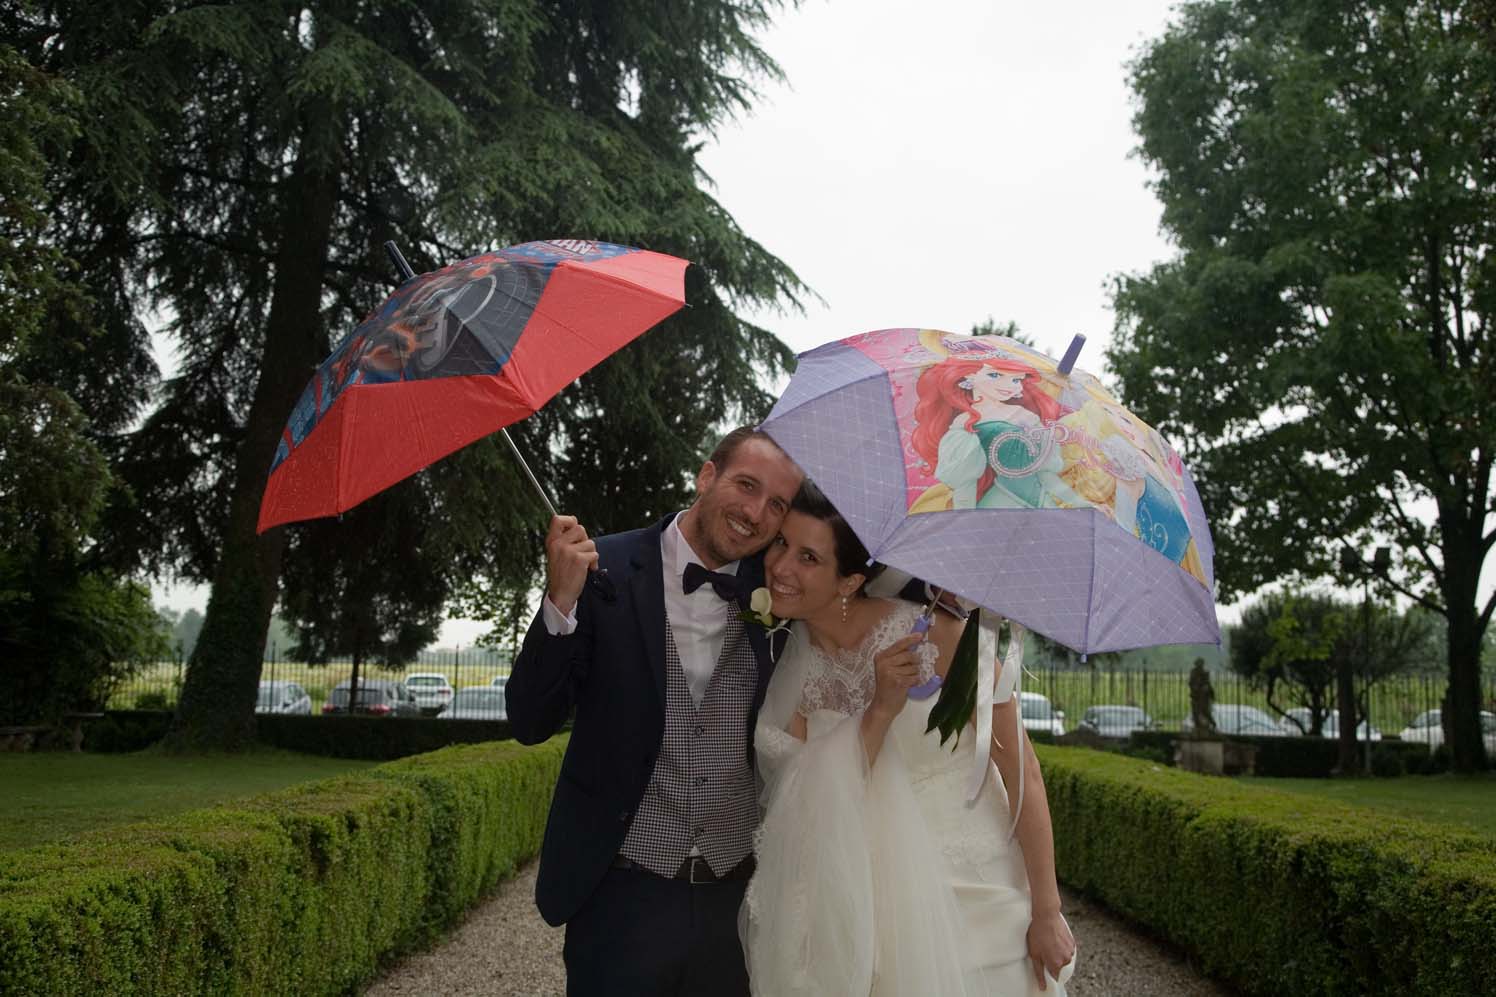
x,y
569,555
895,672
1050,945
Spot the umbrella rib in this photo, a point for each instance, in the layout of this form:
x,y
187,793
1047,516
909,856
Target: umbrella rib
x,y
1091,593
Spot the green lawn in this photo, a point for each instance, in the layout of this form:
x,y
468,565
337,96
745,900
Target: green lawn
x,y
1464,801
52,795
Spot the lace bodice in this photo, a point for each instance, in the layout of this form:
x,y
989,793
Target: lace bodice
x,y
843,680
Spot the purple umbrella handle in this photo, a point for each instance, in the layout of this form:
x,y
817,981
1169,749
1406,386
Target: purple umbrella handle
x,y
1067,362
925,689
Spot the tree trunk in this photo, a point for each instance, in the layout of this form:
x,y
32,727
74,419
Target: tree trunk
x,y
353,683
1461,715
217,706
1345,692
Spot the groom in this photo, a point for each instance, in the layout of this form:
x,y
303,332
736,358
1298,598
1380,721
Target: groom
x,y
648,848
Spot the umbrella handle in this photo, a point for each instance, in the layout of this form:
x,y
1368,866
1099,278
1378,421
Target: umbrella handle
x,y
1067,362
922,625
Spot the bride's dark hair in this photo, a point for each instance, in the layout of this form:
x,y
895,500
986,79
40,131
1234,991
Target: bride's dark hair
x,y
851,555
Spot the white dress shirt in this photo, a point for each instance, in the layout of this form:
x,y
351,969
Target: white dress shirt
x,y
697,621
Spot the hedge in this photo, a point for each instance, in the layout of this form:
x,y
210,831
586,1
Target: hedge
x,y
1273,892
308,890
372,738
337,736
120,731
1294,757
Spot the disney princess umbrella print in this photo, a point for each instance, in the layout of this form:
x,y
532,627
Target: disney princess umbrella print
x,y
1019,483
455,355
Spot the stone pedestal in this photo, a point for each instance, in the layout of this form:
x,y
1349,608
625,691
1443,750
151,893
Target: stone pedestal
x,y
1214,756
1200,755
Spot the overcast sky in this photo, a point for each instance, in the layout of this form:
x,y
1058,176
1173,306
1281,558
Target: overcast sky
x,y
935,163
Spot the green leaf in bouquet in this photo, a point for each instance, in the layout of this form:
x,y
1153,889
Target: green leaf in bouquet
x,y
958,693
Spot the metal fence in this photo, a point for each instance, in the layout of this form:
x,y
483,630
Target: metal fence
x,y
1164,696
1393,703
159,686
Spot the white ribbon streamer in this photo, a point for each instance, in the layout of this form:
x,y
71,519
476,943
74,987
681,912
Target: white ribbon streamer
x,y
992,688
986,690
1013,668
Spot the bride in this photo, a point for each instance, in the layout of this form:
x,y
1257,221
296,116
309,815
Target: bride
x,y
874,875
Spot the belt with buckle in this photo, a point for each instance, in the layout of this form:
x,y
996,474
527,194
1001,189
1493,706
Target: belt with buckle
x,y
695,869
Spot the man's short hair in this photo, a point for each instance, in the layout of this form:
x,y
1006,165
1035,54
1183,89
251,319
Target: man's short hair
x,y
730,443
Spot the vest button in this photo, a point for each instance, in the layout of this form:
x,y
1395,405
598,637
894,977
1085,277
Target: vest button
x,y
701,730
623,816
699,781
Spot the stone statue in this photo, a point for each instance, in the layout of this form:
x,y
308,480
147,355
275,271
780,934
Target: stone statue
x,y
1202,695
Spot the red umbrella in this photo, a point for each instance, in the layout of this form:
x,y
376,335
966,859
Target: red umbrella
x,y
455,355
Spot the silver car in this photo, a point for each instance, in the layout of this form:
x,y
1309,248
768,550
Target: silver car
x,y
1239,718
476,702
1114,721
1428,727
1297,721
283,697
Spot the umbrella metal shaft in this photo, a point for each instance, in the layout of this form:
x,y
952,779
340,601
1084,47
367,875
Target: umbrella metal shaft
x,y
528,473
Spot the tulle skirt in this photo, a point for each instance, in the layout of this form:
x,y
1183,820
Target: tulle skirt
x,y
882,881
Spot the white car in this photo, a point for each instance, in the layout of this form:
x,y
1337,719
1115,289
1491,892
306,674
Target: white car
x,y
1039,714
283,697
476,702
1329,730
432,690
1428,727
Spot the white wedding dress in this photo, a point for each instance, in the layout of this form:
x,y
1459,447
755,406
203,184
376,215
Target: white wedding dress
x,y
878,880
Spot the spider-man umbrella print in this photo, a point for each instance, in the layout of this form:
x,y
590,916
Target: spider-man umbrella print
x,y
455,355
985,467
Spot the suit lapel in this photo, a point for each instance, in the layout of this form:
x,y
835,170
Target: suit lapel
x,y
647,589
751,570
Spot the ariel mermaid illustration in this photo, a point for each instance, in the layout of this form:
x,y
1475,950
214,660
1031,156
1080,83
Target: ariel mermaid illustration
x,y
989,432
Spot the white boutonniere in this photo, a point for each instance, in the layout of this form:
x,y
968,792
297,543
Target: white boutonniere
x,y
759,608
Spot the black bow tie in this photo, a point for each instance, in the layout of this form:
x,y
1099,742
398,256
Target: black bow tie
x,y
726,586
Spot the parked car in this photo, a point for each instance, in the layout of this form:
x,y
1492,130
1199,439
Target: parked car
x,y
1039,714
282,697
1114,721
1428,727
1240,719
477,702
1297,721
376,697
432,691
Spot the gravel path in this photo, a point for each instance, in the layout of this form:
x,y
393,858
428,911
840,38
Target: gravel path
x,y
504,949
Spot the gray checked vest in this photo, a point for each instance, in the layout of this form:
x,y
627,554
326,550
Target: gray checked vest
x,y
702,790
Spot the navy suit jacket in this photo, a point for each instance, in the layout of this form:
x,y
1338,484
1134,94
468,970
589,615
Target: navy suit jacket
x,y
609,673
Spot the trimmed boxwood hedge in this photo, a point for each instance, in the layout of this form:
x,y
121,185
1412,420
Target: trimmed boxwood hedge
x,y
1277,893
1293,757
304,891
339,736
372,738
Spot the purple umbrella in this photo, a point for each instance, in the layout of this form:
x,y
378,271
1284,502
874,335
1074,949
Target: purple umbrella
x,y
986,468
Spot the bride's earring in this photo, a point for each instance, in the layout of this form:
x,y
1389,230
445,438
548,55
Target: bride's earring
x,y
844,609
965,384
